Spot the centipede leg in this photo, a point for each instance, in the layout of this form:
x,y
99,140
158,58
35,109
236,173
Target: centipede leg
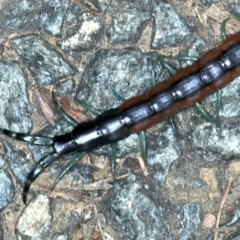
x,y
72,122
167,66
90,108
68,167
174,127
116,95
61,112
113,159
218,104
207,116
223,29
143,144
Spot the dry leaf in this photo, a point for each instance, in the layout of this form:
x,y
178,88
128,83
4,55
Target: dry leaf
x,y
45,107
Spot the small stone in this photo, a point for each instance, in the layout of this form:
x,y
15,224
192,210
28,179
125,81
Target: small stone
x,y
95,235
209,221
36,219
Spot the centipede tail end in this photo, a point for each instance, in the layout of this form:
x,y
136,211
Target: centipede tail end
x,y
31,177
44,162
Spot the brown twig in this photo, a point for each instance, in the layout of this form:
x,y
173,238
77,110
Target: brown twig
x,y
221,206
143,166
98,220
198,15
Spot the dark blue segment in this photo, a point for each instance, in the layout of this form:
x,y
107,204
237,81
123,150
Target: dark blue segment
x,y
231,57
162,101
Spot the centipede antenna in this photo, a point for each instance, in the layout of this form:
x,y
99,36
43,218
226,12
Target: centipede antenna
x,y
35,140
43,163
61,112
68,167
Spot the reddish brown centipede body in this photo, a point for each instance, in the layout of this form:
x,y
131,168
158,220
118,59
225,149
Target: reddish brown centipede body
x,y
213,71
189,86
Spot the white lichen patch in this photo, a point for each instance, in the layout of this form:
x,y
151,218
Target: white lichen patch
x,y
84,35
36,218
90,27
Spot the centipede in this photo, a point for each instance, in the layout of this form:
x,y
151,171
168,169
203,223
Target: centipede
x,y
188,86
